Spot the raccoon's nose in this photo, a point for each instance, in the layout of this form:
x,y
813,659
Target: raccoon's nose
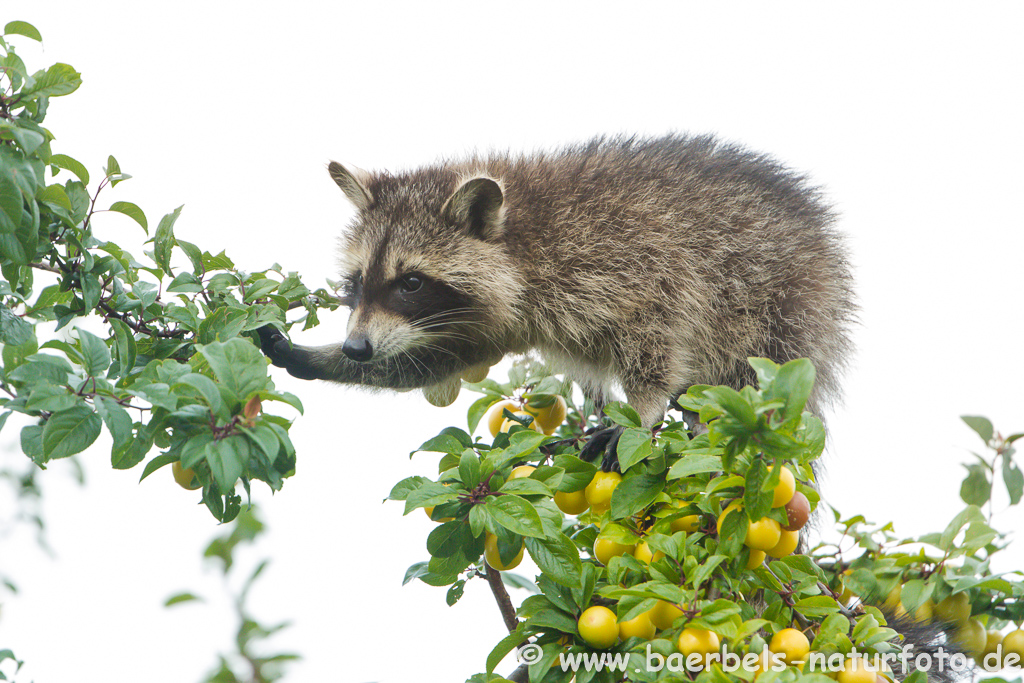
x,y
358,348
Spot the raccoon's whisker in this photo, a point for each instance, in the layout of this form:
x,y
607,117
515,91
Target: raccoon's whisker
x,y
416,361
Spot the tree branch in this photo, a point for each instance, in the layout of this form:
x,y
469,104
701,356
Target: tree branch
x,y
508,612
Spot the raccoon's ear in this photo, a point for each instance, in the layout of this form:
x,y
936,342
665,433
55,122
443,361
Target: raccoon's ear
x,y
476,206
353,184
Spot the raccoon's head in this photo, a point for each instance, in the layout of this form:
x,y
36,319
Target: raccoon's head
x,y
425,266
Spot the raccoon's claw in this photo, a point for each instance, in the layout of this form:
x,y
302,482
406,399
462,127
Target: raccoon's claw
x,y
694,424
282,354
274,345
604,441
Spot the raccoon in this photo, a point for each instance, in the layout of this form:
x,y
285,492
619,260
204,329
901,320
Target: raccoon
x,y
648,263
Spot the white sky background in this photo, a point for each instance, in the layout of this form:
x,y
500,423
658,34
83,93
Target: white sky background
x,y
909,114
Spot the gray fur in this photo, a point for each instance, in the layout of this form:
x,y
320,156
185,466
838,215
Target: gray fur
x,y
652,263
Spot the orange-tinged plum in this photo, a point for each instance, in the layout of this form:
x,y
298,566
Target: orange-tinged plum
x,y
798,511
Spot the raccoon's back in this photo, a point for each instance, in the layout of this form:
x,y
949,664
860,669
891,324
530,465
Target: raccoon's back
x,y
731,252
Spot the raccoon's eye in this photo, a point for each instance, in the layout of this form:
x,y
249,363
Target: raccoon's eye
x,y
410,283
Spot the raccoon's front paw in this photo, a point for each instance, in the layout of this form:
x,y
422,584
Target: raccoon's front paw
x,y
274,345
604,441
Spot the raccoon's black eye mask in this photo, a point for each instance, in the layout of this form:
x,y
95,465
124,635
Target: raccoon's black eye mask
x,y
421,298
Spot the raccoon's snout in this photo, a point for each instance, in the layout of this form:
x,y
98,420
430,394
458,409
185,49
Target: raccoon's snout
x,y
358,348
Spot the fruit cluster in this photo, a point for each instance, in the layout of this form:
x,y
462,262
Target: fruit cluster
x,y
599,626
692,548
544,417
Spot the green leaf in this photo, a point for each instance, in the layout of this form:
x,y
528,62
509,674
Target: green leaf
x,y
442,443
734,404
576,473
163,240
156,463
266,439
29,140
455,592
469,468
1014,480
227,458
478,410
515,514
793,382
526,487
205,388
69,164
552,619
56,195
634,445
125,347
51,398
448,539
194,450
981,425
58,80
32,443
14,330
194,254
237,364
757,501
22,28
689,465
817,606
504,646
976,488
118,422
421,571
427,494
133,453
158,394
95,354
557,557
69,432
706,568
523,443
623,414
91,291
179,598
635,493
10,201
402,489
966,516
130,210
